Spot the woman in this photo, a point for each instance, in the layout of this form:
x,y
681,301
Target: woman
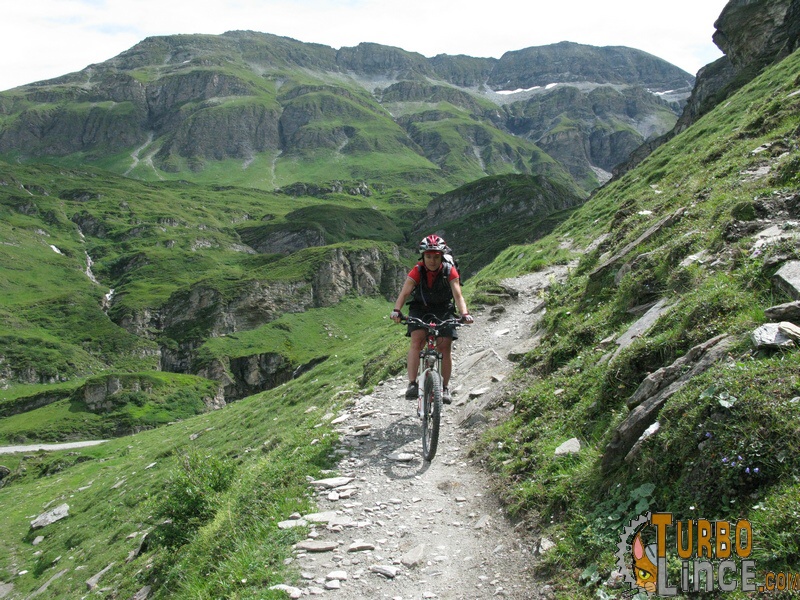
x,y
435,289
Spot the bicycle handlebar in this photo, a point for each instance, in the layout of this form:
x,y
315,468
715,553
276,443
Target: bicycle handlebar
x,y
435,321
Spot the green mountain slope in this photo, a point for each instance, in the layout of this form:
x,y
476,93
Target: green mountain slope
x,y
719,445
248,463
264,111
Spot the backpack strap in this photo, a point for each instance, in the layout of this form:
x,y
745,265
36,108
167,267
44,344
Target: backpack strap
x,y
422,275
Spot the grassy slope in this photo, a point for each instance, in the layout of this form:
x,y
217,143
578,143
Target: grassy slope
x,y
246,491
227,488
693,463
143,240
147,400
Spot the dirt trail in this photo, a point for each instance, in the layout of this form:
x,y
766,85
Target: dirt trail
x,y
391,525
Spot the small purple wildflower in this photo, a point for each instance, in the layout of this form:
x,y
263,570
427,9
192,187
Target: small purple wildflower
x,y
725,459
747,470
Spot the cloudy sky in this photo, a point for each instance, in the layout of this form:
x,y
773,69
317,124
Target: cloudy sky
x,y
40,39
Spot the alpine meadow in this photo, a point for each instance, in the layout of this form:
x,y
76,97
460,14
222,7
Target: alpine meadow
x,y
200,242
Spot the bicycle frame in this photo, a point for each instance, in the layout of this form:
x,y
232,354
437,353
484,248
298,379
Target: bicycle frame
x,y
429,407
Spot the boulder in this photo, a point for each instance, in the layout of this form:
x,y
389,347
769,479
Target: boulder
x,y
571,446
788,278
789,311
59,512
770,336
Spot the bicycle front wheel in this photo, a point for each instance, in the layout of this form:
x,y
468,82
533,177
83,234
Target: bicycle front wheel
x,y
431,414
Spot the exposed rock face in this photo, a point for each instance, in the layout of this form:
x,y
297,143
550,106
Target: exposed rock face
x,y
711,79
246,375
220,133
23,374
99,395
758,32
258,372
597,127
27,403
144,322
286,242
365,272
753,34
103,394
567,62
256,303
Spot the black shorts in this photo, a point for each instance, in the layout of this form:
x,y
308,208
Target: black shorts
x,y
440,313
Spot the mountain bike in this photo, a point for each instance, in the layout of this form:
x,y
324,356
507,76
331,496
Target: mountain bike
x,y
429,403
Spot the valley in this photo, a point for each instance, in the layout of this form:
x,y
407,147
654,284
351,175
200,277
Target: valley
x,y
200,241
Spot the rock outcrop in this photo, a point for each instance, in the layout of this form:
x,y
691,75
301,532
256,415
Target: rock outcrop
x,y
758,32
192,315
109,392
651,395
364,272
753,34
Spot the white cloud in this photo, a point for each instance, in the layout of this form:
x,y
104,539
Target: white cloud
x,y
41,39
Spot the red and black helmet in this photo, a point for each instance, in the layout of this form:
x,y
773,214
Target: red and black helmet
x,y
432,243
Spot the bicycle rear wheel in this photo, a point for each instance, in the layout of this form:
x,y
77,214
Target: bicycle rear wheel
x,y
431,414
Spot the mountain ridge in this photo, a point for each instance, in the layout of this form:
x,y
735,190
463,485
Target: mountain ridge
x,y
189,102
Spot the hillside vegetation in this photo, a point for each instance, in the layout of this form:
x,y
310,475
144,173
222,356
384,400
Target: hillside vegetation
x,y
221,309
726,444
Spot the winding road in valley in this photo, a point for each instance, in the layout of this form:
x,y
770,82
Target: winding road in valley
x,y
37,447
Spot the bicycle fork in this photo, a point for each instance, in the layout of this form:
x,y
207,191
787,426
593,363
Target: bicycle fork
x,y
429,359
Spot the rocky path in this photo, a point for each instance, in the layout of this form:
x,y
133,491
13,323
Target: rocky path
x,y
393,526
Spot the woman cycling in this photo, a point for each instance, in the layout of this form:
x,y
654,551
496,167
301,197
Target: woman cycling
x,y
434,287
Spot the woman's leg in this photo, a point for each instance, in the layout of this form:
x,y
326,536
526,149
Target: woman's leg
x,y
445,346
412,361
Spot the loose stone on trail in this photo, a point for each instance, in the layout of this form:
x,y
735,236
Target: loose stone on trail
x,y
387,571
292,523
321,517
360,546
401,456
332,482
315,546
292,592
414,556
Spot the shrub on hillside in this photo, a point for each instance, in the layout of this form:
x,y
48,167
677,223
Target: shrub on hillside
x,y
191,497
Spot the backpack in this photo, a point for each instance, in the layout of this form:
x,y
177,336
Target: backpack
x,y
450,258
